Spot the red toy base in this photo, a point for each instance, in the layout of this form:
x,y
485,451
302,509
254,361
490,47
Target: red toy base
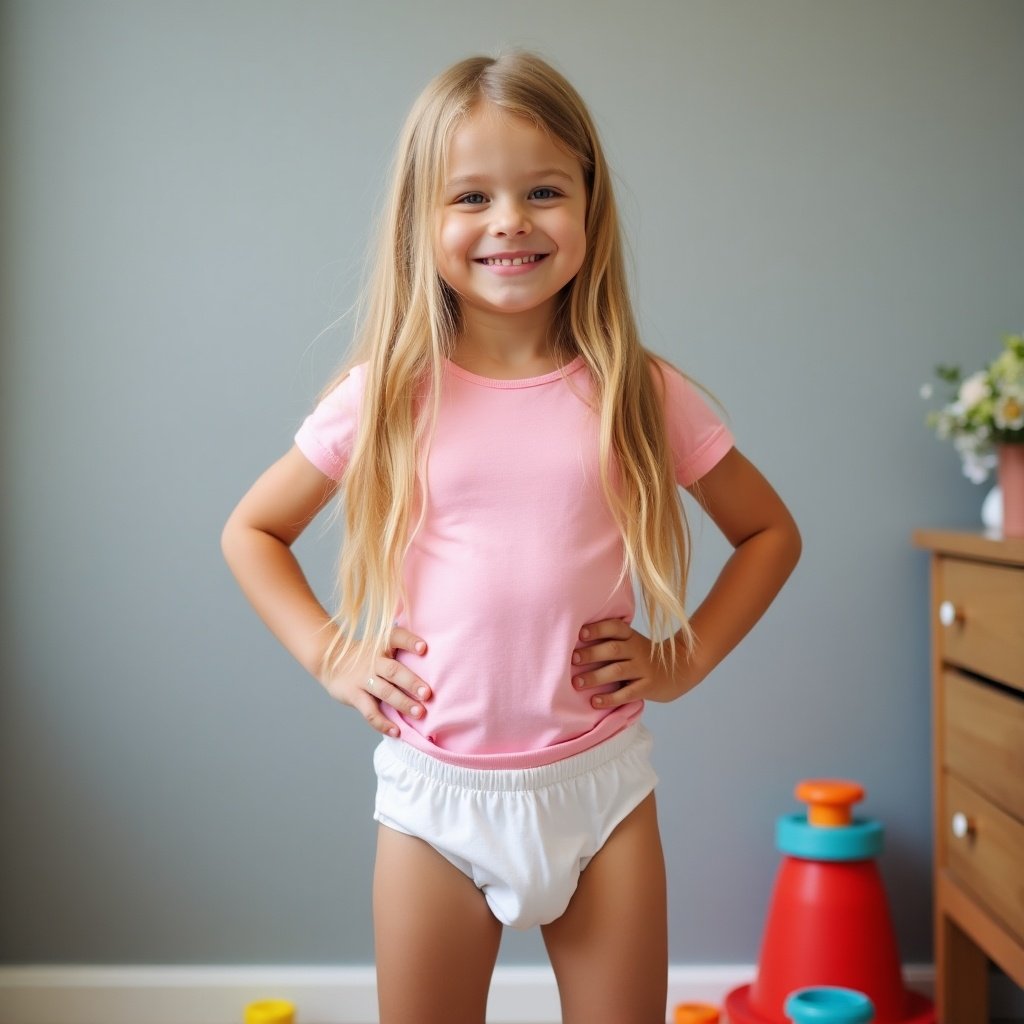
x,y
739,1010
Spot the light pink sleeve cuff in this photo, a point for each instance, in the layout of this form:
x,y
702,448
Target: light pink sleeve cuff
x,y
328,433
697,436
706,457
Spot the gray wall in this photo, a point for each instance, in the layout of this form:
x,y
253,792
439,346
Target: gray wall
x,y
824,200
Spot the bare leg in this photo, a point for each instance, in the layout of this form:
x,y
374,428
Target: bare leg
x,y
436,939
609,949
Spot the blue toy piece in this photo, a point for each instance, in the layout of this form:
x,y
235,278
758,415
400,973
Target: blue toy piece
x,y
860,839
829,1005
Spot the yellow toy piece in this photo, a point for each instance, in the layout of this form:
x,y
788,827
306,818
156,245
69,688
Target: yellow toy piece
x,y
270,1011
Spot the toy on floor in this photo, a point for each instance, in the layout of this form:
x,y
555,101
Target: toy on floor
x,y
270,1011
828,920
829,1005
695,1013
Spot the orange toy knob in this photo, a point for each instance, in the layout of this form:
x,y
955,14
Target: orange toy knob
x,y
829,801
695,1013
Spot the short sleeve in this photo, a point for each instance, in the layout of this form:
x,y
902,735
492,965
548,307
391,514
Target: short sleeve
x,y
328,433
697,436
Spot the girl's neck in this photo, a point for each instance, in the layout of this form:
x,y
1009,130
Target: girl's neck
x,y
504,345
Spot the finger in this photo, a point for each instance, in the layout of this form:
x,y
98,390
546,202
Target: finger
x,y
606,650
392,692
587,681
617,672
403,677
606,628
613,700
370,710
407,640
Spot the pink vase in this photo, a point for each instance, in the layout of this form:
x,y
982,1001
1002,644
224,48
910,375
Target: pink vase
x,y
1011,483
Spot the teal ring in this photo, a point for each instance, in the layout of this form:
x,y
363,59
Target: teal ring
x,y
829,1005
862,839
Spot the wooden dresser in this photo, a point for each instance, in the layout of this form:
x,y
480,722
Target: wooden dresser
x,y
977,615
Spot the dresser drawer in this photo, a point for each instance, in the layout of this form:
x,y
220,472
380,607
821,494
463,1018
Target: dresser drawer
x,y
983,739
989,859
984,606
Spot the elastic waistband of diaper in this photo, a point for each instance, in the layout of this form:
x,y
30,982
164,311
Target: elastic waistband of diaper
x,y
520,779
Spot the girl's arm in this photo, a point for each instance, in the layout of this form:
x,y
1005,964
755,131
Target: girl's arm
x,y
766,545
256,542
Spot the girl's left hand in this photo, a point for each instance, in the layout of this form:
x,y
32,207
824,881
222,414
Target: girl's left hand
x,y
629,654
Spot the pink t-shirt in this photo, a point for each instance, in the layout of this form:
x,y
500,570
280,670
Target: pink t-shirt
x,y
517,552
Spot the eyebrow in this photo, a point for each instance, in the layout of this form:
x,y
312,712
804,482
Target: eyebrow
x,y
472,179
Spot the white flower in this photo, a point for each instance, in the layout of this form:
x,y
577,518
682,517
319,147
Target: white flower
x,y
973,390
1009,414
985,406
977,467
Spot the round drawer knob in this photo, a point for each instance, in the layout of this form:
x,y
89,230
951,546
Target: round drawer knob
x,y
949,614
962,825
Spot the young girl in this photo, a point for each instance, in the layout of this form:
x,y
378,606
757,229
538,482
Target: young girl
x,y
508,456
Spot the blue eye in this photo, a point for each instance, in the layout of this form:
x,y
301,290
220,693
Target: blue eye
x,y
474,196
552,193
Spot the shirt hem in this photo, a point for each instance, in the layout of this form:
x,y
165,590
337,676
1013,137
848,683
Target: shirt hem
x,y
609,726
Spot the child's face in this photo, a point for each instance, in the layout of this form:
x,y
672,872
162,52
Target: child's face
x,y
511,192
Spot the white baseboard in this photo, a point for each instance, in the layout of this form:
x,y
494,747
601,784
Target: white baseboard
x,y
322,995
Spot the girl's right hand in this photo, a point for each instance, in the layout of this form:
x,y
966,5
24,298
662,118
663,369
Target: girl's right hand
x,y
386,680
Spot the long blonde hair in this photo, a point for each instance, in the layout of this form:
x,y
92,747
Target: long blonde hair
x,y
409,324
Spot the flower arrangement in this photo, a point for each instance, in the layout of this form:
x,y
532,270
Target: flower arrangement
x,y
985,409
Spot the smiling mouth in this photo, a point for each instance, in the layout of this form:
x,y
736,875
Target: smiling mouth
x,y
518,261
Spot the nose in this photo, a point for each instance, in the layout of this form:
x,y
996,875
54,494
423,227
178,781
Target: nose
x,y
509,219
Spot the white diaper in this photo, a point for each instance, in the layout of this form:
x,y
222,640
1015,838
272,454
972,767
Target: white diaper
x,y
522,835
